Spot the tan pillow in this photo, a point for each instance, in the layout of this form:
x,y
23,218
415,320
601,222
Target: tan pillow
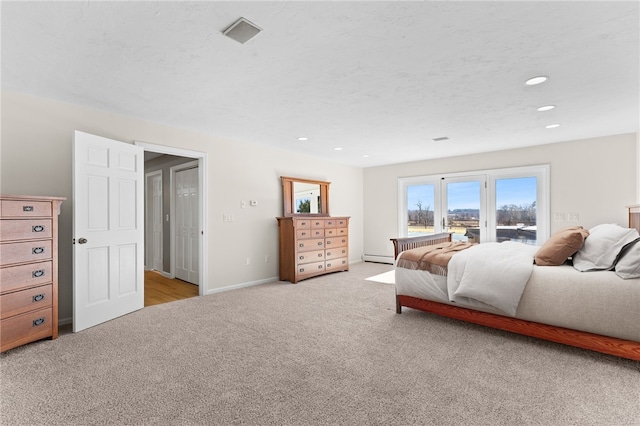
x,y
561,246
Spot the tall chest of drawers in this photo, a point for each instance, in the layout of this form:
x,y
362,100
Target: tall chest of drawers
x,y
28,269
312,246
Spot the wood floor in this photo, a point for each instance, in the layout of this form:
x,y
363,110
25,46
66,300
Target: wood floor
x,y
159,289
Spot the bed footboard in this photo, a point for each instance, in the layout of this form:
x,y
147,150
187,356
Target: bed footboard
x,y
402,244
595,342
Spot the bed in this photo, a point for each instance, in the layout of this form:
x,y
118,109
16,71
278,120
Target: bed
x,y
595,310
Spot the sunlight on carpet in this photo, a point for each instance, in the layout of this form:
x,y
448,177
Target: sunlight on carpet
x,y
388,277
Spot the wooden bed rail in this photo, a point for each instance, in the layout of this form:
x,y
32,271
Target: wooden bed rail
x,y
407,243
594,342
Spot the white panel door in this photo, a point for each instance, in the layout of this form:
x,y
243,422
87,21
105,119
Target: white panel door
x,y
186,223
154,238
108,229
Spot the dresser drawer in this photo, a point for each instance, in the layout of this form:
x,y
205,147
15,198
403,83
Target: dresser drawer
x,y
342,231
330,232
308,245
336,242
25,229
317,223
31,251
335,253
309,233
330,223
303,223
11,208
336,264
23,301
342,223
16,277
310,268
310,256
26,328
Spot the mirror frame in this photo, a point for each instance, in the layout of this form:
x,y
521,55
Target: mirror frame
x,y
287,196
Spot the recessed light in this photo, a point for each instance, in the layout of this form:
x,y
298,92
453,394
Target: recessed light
x,y
337,148
536,80
365,156
552,126
546,108
302,138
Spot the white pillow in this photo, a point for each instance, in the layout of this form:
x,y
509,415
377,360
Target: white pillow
x,y
628,266
602,246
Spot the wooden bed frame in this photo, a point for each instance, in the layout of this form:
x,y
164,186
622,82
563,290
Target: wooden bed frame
x,y
595,342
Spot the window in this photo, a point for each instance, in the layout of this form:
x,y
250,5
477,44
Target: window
x,y
491,205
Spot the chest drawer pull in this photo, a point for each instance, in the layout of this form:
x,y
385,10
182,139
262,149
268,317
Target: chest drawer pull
x,y
38,297
27,208
37,273
37,250
37,228
39,321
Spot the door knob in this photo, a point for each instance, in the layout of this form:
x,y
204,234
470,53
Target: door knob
x,y
82,241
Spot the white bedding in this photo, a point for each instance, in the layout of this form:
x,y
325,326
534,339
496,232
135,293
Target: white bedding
x,y
492,273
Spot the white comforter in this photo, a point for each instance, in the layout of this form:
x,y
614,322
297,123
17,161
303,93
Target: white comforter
x,y
491,273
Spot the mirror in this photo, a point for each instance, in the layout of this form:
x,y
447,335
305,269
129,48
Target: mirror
x,y
305,197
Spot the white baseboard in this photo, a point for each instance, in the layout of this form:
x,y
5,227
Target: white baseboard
x,y
241,285
378,259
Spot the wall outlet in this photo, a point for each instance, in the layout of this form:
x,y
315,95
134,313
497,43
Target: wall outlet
x,y
559,217
227,217
573,217
243,204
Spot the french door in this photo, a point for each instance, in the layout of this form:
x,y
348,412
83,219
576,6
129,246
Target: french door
x,y
494,205
464,208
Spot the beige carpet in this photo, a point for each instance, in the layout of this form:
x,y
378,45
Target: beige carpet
x,y
329,350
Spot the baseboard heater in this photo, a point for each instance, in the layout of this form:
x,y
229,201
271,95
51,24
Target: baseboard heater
x,y
378,259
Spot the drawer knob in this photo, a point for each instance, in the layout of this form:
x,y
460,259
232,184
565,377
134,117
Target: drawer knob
x,y
328,242
38,297
301,258
37,228
39,321
27,208
301,270
319,254
319,243
38,273
37,250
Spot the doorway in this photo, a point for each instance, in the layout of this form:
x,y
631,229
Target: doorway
x,y
182,171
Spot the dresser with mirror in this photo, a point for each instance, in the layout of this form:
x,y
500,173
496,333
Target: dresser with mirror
x,y
312,242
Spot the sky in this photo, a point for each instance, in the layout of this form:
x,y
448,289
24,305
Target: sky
x,y
465,195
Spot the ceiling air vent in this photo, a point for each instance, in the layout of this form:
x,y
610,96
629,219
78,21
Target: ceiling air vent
x,y
444,138
242,30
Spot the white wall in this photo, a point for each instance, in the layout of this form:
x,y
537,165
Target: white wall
x,y
593,177
36,160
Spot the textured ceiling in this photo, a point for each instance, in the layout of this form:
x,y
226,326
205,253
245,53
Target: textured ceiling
x,y
375,78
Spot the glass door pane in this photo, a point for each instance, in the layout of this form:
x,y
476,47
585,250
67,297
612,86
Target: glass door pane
x,y
464,208
420,209
516,205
